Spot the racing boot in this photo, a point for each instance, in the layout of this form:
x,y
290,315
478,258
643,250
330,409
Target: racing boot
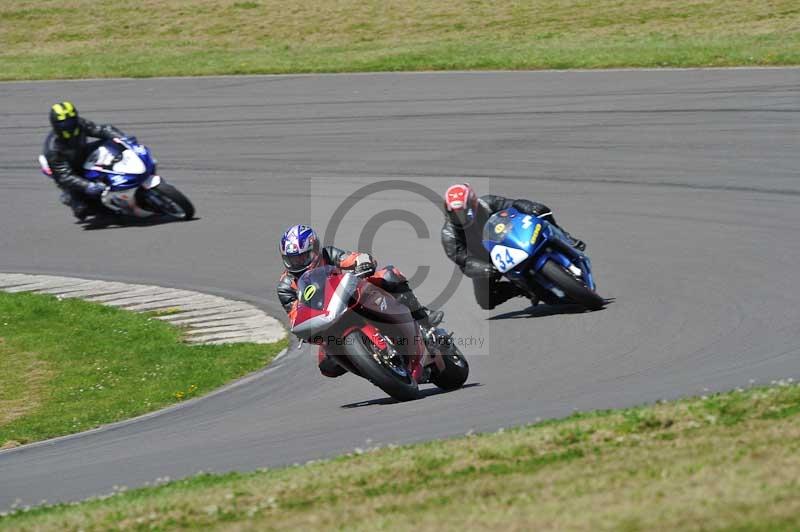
x,y
79,208
81,205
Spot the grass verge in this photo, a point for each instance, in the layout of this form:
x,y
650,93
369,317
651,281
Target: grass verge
x,y
728,461
61,39
71,365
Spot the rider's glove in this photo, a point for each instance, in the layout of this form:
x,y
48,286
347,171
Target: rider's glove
x,y
364,265
94,189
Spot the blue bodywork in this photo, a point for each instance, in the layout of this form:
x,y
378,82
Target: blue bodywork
x,y
104,171
520,244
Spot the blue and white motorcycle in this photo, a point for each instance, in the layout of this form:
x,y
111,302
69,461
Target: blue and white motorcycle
x,y
128,169
537,256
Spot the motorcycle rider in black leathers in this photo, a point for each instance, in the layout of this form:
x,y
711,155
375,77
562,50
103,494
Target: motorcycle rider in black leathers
x,y
66,149
465,216
300,251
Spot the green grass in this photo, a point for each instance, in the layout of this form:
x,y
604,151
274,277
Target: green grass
x,y
724,462
71,365
50,39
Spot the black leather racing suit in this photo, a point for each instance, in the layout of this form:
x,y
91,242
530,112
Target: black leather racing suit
x,y
66,157
463,245
388,278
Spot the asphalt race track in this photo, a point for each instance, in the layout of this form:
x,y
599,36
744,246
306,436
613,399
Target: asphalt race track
x,y
685,184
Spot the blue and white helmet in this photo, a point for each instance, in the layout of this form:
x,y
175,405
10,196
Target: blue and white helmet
x,y
299,248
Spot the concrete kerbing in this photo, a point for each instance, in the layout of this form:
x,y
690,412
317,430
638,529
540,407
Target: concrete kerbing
x,y
174,305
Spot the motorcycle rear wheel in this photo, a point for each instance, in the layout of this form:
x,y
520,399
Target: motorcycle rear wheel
x,y
574,288
373,365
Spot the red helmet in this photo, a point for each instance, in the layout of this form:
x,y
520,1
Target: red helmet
x,y
461,204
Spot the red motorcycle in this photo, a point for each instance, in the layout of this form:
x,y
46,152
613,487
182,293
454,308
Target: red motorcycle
x,y
366,331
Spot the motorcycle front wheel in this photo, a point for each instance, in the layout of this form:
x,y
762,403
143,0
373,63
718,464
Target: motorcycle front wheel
x,y
574,289
455,372
382,367
170,201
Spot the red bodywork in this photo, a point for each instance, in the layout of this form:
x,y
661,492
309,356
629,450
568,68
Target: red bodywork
x,y
333,303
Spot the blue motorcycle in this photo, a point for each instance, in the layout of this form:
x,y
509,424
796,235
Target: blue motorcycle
x,y
128,169
538,257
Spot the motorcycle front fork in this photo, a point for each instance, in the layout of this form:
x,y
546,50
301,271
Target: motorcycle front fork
x,y
532,289
437,342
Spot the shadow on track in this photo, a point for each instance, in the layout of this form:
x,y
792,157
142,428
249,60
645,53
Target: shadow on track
x,y
541,311
423,393
107,221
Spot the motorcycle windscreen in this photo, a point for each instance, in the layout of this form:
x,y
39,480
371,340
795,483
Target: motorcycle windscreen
x,y
108,158
511,228
101,159
496,229
510,237
311,287
129,164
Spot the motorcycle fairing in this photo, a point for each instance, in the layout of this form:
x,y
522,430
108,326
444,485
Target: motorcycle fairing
x,y
512,238
122,165
323,295
377,304
124,201
393,318
151,182
128,168
108,159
